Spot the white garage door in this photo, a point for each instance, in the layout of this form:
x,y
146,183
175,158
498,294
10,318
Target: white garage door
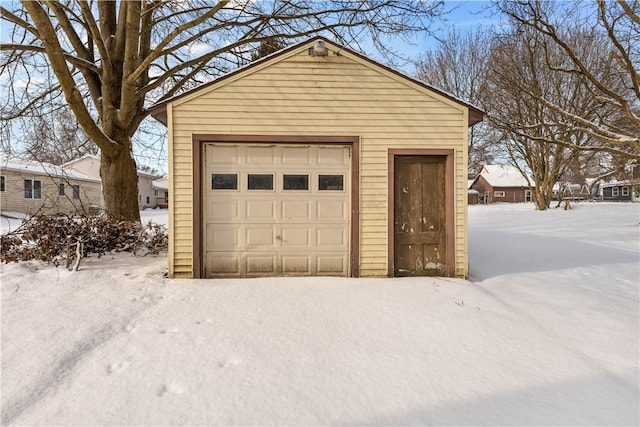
x,y
275,210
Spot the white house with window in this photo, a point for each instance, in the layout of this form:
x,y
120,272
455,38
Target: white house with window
x,y
161,192
90,165
31,187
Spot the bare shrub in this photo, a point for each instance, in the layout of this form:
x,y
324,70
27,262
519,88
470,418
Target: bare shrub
x,y
66,239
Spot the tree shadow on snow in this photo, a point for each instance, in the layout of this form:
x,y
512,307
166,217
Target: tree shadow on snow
x,y
496,253
598,400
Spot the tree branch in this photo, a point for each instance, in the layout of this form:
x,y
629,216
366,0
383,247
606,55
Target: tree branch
x,y
67,83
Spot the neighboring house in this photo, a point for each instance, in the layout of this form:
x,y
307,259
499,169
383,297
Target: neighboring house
x,y
146,192
473,197
621,191
161,192
90,165
31,187
317,160
499,183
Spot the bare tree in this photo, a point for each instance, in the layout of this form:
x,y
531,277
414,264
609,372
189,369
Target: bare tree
x,y
459,65
613,79
111,59
55,138
539,138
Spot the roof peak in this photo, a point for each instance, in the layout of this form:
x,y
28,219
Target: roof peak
x,y
159,110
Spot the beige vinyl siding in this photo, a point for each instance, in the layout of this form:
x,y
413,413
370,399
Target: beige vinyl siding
x,y
13,200
325,96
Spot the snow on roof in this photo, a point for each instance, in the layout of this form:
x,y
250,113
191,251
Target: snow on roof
x,y
161,184
503,176
86,156
41,168
97,158
621,183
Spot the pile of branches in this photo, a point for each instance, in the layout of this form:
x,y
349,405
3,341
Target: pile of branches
x,y
68,239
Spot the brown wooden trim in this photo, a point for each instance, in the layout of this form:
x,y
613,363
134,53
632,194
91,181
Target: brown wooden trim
x,y
449,203
196,149
355,208
198,142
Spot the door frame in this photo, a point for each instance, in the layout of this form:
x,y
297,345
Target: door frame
x,y
197,150
449,203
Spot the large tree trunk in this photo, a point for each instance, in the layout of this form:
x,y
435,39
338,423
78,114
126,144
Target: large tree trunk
x,y
542,195
120,185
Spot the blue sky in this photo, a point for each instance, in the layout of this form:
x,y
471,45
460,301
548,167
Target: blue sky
x,y
462,15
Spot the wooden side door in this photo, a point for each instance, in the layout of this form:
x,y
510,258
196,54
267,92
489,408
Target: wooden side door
x,y
420,216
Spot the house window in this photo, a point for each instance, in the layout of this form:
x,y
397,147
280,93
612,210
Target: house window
x,y
224,181
498,194
2,183
330,182
61,189
527,195
625,191
76,191
147,199
614,191
260,182
32,189
295,182
155,193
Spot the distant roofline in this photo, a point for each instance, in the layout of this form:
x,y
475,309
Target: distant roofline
x,y
43,169
95,157
92,156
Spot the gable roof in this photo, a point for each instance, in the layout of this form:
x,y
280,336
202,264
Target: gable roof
x,y
43,169
502,176
159,110
86,156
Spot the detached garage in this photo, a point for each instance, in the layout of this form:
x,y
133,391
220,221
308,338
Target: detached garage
x,y
317,161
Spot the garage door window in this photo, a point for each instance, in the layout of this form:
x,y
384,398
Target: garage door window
x,y
331,182
224,181
296,182
260,181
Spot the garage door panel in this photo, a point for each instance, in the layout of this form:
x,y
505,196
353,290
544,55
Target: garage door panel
x,y
295,237
257,155
296,264
224,237
332,209
259,237
332,265
331,237
303,230
222,209
295,155
332,156
296,209
223,264
260,209
222,154
260,264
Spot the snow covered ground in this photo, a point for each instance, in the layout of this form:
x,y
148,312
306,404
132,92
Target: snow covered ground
x,y
545,333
